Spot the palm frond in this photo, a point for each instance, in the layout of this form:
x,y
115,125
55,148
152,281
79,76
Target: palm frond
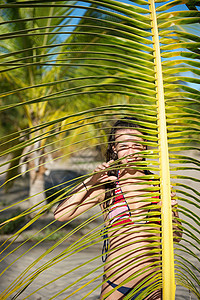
x,y
68,70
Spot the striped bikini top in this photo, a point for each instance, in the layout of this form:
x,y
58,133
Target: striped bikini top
x,y
119,211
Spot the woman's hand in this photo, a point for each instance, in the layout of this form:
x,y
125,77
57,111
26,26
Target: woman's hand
x,y
173,200
100,174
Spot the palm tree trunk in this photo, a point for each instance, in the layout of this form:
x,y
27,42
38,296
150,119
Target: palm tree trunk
x,y
37,169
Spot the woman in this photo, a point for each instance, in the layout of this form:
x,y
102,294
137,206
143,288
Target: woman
x,y
130,204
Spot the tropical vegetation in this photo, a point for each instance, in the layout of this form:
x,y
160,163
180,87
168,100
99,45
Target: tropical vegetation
x,y
68,70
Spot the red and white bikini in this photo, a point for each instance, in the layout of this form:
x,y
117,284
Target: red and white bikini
x,y
120,214
119,211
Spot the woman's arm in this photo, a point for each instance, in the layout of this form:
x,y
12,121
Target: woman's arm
x,y
86,195
82,198
177,228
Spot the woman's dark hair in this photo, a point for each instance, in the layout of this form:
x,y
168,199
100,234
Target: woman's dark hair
x,y
125,123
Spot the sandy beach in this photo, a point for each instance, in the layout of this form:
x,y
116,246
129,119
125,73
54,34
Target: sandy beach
x,y
65,275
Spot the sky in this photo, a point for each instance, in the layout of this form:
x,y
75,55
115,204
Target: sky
x,y
80,12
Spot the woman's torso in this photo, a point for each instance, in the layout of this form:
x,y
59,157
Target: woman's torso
x,y
132,233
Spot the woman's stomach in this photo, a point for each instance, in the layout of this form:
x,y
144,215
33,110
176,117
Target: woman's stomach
x,y
134,253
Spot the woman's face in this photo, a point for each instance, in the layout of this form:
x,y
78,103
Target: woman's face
x,y
128,145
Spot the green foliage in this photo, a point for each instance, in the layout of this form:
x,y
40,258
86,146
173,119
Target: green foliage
x,y
51,235
13,225
68,71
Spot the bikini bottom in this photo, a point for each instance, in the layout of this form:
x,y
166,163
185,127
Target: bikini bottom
x,y
126,290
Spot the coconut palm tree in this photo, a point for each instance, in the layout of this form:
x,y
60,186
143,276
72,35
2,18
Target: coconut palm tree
x,y
31,82
99,61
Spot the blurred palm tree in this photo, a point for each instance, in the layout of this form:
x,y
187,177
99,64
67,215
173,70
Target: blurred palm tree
x,y
28,43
